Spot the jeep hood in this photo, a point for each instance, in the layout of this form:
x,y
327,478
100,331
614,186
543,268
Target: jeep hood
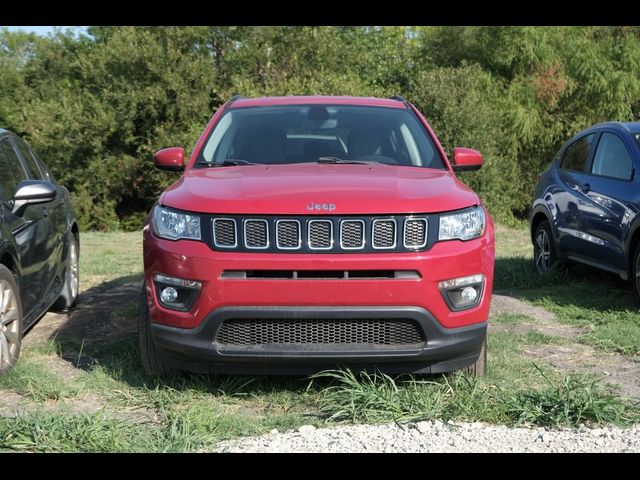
x,y
292,189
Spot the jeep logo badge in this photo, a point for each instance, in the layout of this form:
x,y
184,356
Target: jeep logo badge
x,y
329,207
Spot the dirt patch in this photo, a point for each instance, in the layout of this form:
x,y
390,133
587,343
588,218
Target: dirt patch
x,y
504,304
543,321
62,367
613,368
103,314
618,370
13,404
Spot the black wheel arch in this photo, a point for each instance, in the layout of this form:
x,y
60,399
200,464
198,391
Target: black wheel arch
x,y
540,213
9,259
633,239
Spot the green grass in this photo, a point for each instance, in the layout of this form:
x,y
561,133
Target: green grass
x,y
508,368
380,398
575,400
375,398
32,379
511,319
52,432
600,302
106,256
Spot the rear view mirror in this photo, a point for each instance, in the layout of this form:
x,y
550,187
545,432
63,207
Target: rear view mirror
x,y
169,159
466,159
31,192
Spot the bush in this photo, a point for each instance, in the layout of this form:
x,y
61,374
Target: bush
x,y
97,106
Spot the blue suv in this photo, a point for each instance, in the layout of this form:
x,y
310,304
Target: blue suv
x,y
586,204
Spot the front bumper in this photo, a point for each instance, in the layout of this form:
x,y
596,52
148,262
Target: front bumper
x,y
198,350
187,339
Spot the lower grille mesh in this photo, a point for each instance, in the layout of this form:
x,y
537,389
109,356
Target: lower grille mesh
x,y
333,331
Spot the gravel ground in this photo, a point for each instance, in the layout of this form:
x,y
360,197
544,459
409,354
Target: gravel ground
x,y
435,436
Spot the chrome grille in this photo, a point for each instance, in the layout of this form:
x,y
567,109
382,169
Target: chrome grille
x,y
333,331
320,234
224,233
415,232
384,234
288,234
352,234
256,234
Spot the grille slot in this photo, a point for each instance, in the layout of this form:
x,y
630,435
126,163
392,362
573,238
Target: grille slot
x,y
288,234
321,274
224,233
391,332
384,234
415,232
320,234
352,234
256,233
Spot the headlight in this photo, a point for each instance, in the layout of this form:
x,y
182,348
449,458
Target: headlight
x,y
464,225
174,225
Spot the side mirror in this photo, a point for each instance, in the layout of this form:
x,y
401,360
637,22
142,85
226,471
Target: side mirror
x,y
31,192
466,159
169,159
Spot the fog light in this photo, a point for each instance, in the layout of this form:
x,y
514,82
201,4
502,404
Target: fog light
x,y
176,293
169,295
463,292
469,294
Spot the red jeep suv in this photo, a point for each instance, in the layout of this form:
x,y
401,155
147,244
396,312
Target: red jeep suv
x,y
313,232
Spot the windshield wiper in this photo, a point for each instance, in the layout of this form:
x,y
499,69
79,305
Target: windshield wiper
x,y
342,161
230,162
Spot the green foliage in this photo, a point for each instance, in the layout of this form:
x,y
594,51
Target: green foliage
x,y
576,399
465,108
380,398
43,431
34,380
97,106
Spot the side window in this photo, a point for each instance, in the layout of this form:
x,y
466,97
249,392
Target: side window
x,y
612,158
12,171
32,167
43,168
576,154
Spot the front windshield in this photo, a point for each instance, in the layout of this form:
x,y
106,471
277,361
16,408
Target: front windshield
x,y
312,133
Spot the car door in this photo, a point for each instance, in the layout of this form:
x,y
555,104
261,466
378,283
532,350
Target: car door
x,y
52,217
30,231
570,198
610,192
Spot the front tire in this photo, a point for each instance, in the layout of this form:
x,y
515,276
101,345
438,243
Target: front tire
x,y
544,249
69,296
479,367
153,364
636,272
10,320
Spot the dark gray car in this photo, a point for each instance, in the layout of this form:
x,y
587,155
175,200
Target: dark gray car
x,y
39,245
